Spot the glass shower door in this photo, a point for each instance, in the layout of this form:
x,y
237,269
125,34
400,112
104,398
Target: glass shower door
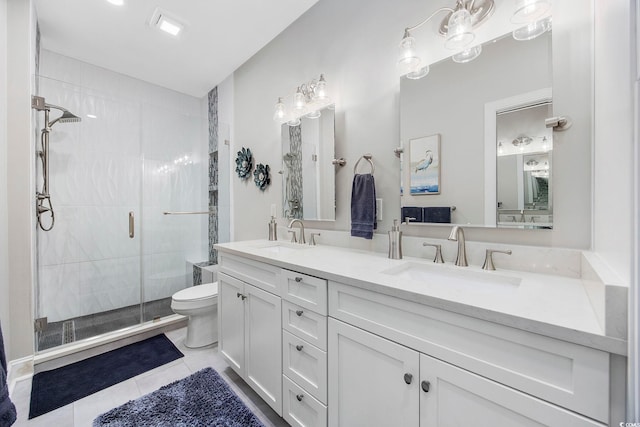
x,y
89,265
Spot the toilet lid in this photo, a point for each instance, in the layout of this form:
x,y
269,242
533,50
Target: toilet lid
x,y
198,292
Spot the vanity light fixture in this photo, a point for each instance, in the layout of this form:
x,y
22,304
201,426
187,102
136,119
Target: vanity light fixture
x,y
307,101
532,17
457,28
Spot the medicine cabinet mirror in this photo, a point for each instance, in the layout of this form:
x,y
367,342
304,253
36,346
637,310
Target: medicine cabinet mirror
x,y
451,102
308,174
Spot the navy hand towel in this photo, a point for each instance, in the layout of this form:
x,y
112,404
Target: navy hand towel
x,y
7,408
363,206
437,214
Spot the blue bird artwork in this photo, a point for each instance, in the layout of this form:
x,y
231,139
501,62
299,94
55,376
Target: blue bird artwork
x,y
424,163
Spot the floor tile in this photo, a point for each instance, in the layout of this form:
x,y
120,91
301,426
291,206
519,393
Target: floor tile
x,y
87,409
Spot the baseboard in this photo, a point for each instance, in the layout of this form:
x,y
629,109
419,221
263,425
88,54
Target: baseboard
x,y
19,370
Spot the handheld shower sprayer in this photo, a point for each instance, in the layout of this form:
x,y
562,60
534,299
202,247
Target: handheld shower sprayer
x,y
43,198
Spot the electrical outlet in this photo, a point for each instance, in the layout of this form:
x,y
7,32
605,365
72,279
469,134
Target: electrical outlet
x,y
379,210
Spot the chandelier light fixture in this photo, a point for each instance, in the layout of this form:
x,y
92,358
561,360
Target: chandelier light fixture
x,y
307,101
532,18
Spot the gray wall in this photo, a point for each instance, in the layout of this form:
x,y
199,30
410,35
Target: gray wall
x,y
355,44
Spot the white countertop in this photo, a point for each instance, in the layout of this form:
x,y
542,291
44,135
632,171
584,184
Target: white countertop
x,y
554,306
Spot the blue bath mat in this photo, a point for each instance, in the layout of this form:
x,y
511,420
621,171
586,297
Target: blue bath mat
x,y
58,387
202,399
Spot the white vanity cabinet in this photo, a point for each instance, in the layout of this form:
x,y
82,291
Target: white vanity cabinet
x,y
376,382
250,328
304,349
395,359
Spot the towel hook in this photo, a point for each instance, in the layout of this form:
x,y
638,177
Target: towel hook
x,y
366,157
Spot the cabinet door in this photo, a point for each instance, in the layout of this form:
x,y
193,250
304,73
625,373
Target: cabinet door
x,y
456,397
372,381
231,322
263,345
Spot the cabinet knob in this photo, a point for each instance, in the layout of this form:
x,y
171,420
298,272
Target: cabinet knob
x,y
298,279
408,378
238,295
299,347
299,312
425,386
299,397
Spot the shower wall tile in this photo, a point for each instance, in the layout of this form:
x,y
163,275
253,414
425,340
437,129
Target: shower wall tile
x,y
98,170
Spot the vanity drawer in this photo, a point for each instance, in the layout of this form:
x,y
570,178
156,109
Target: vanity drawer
x,y
305,324
305,364
570,375
299,408
306,291
261,275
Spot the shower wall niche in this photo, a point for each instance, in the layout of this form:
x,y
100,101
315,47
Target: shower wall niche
x,y
140,149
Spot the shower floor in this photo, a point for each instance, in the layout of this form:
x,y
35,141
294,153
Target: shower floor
x,y
79,328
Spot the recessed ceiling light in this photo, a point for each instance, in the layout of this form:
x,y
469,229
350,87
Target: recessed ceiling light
x,y
116,2
92,116
167,23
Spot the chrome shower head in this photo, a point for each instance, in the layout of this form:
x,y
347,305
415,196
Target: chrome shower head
x,y
66,117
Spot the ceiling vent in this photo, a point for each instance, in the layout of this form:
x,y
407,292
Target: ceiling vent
x,y
167,23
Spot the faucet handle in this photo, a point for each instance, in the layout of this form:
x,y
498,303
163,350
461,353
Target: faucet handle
x,y
438,258
312,242
294,239
488,259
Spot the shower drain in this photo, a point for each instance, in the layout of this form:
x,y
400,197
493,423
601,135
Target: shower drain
x,y
68,332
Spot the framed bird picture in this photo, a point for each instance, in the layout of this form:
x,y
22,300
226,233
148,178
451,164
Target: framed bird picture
x,y
424,162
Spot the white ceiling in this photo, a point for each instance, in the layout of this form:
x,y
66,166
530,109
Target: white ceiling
x,y
219,37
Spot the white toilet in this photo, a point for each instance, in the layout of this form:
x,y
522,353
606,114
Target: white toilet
x,y
200,304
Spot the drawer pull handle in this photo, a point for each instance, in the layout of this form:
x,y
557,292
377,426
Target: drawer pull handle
x,y
299,312
299,347
408,378
425,386
299,397
298,279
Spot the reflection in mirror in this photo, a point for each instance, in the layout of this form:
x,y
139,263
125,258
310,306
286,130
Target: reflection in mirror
x,y
451,102
308,174
524,146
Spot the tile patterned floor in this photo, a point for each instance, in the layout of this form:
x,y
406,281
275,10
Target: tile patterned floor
x,y
82,412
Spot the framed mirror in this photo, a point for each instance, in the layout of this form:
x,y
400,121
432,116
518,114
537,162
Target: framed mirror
x,y
308,174
451,102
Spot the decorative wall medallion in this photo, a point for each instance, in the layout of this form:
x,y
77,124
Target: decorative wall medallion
x,y
244,163
261,176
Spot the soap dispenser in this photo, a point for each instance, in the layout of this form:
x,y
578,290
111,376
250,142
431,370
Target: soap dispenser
x,y
273,229
395,241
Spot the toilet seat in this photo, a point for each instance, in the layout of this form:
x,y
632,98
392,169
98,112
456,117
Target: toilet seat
x,y
195,297
198,292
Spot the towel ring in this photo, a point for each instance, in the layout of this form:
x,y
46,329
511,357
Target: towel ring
x,y
366,157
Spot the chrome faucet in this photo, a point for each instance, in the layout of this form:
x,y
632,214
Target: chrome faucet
x,y
294,221
457,235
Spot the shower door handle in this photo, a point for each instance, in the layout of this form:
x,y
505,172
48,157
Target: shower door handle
x,y
131,225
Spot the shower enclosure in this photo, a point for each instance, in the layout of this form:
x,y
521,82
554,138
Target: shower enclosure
x,y
112,259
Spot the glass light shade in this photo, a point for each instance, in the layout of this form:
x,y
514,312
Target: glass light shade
x,y
459,33
298,100
280,112
532,30
321,88
314,114
408,61
467,55
419,73
294,122
530,10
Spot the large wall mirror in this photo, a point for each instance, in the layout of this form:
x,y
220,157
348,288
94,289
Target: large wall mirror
x,y
484,178
308,174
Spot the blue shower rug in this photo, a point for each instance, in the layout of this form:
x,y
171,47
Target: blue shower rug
x,y
202,399
58,387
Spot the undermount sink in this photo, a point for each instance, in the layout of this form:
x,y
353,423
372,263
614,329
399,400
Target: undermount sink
x,y
459,277
281,247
